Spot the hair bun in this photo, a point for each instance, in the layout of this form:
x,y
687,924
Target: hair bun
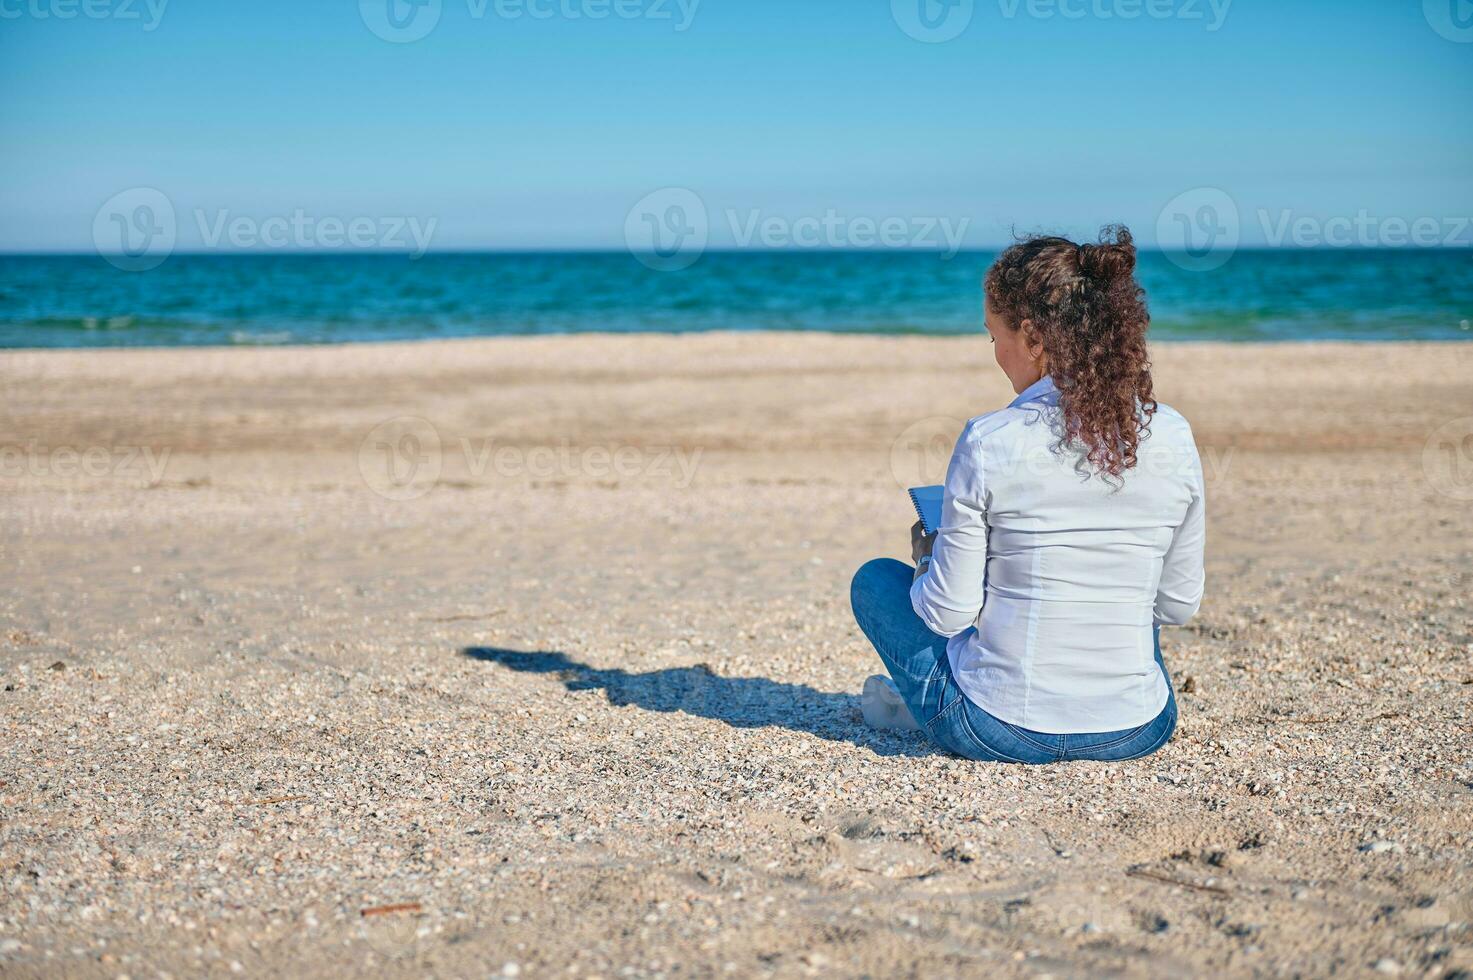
x,y
1113,258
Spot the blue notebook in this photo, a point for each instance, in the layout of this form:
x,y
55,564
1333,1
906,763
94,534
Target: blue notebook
x,y
928,506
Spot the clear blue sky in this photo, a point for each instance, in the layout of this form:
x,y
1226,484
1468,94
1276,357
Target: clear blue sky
x,y
541,133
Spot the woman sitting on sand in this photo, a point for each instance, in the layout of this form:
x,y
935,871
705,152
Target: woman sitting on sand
x,y
1072,529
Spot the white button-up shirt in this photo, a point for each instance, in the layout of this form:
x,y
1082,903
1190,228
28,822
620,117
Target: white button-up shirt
x,y
1049,579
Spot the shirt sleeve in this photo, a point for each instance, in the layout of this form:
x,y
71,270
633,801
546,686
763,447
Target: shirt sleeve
x,y
1182,574
949,596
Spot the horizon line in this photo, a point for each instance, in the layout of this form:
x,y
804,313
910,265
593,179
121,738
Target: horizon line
x,y
723,250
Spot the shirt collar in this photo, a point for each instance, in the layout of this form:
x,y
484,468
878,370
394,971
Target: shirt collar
x,y
1041,390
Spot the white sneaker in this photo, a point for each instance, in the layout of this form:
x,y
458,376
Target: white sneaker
x,y
884,707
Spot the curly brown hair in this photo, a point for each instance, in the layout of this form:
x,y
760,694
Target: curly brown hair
x,y
1083,305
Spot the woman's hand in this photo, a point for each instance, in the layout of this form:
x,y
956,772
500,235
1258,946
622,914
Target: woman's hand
x,y
921,543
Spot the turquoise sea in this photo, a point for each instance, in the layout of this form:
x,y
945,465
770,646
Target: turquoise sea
x,y
214,299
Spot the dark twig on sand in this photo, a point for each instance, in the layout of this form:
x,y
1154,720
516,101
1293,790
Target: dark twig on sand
x,y
1169,880
462,617
369,913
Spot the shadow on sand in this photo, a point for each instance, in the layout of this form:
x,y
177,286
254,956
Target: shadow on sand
x,y
742,702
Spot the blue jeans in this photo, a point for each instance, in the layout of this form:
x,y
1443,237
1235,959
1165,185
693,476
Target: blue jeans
x,y
917,661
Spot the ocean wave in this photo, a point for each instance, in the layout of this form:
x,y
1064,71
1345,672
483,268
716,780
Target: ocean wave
x,y
247,338
273,300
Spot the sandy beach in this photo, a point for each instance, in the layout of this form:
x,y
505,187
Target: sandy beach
x,y
534,657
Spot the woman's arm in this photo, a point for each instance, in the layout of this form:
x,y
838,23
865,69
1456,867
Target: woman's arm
x,y
1182,576
948,594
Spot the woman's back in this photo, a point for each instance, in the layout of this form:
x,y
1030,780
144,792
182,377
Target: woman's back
x,y
1074,568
